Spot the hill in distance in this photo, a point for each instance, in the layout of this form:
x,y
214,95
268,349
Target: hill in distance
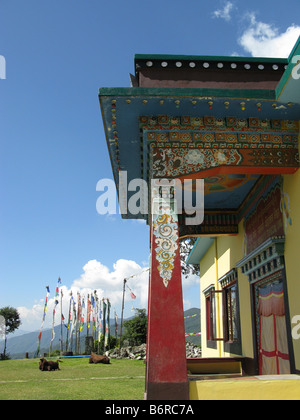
x,y
19,344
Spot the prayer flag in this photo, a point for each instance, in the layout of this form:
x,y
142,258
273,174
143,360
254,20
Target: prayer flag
x,y
100,324
54,310
131,293
107,329
82,315
74,321
43,320
88,318
116,323
104,318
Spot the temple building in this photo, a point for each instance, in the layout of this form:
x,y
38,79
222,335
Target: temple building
x,y
207,147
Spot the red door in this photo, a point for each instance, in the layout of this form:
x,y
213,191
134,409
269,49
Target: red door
x,y
272,334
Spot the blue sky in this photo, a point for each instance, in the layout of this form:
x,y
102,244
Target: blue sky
x,y
52,144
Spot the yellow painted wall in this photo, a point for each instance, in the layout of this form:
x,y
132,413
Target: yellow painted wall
x,y
207,277
291,187
263,388
229,251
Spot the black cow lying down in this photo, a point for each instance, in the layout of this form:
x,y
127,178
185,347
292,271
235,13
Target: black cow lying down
x,y
95,358
48,365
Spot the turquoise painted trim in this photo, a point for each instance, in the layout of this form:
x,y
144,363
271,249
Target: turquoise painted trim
x,y
200,248
266,94
288,72
191,254
294,49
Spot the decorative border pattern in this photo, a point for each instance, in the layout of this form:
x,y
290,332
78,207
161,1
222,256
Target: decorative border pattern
x,y
265,260
222,139
265,220
179,162
214,223
166,122
187,145
165,231
228,278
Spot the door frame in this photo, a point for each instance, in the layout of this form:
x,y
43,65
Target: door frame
x,y
280,274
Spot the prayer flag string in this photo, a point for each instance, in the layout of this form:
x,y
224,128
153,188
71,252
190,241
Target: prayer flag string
x,y
190,316
190,334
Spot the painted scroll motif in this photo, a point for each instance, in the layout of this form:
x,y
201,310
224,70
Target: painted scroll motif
x,y
165,231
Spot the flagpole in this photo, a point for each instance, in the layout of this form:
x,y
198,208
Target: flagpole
x,y
107,335
88,314
124,284
104,323
116,325
69,322
73,324
61,322
43,320
100,325
54,310
77,326
79,319
95,316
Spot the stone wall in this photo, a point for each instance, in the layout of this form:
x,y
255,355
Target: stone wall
x,y
139,352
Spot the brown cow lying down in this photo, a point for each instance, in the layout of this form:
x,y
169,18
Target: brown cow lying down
x,y
95,358
48,365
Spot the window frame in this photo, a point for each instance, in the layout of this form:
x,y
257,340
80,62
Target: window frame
x,y
232,346
228,313
210,343
211,318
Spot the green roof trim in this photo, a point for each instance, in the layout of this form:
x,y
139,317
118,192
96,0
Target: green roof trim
x,y
200,248
288,73
266,94
295,50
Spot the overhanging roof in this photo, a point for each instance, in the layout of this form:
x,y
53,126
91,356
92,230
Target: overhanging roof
x,y
288,89
200,248
122,107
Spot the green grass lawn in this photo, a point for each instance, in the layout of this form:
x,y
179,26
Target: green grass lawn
x,y
123,379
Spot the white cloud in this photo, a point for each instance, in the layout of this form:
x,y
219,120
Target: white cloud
x,y
190,280
95,276
187,304
224,13
31,316
264,40
109,284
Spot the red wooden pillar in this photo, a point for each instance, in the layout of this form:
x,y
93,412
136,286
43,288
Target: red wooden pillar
x,y
166,374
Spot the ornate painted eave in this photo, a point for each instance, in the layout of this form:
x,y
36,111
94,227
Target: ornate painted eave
x,y
219,130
